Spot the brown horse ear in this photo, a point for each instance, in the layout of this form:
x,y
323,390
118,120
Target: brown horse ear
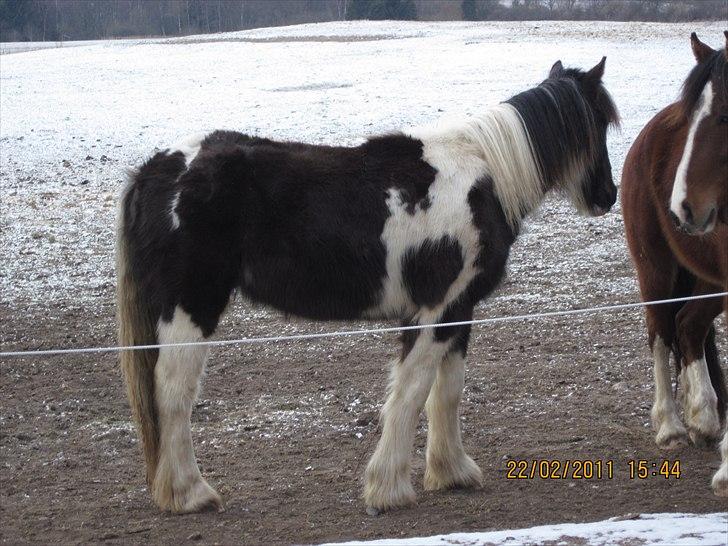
x,y
595,74
700,50
556,70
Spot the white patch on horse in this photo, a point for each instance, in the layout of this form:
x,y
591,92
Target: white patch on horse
x,y
173,211
701,413
189,146
680,187
448,215
670,431
178,483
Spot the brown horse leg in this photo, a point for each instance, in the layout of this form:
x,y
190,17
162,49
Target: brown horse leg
x,y
702,380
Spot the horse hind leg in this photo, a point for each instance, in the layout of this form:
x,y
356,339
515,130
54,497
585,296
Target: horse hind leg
x,y
701,377
447,464
178,485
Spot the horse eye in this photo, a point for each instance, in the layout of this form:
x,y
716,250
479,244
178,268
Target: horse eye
x,y
723,119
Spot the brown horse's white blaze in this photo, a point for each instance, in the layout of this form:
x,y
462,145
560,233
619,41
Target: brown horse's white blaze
x,y
699,220
675,186
415,227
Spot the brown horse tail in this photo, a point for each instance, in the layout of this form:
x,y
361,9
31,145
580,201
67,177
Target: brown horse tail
x,y
716,374
136,327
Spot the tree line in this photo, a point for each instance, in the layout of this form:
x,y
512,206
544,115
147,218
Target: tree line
x,y
59,20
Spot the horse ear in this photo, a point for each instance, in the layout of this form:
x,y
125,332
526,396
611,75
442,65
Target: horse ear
x,y
595,74
725,33
700,50
556,70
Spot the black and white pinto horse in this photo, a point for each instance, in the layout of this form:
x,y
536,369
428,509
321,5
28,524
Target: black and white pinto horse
x,y
414,226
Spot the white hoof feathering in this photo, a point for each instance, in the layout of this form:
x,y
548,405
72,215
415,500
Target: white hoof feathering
x,y
181,498
385,490
701,409
450,474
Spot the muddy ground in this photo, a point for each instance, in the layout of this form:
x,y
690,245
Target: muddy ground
x,y
284,431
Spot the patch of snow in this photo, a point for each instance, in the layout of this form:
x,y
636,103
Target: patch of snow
x,y
665,529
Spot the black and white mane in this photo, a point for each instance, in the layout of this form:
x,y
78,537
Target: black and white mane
x,y
414,226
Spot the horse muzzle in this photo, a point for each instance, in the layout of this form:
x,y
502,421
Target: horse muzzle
x,y
692,224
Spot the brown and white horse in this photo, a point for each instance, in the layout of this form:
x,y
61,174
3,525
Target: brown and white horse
x,y
675,206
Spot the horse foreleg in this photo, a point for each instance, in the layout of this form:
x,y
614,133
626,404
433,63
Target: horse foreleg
x,y
670,432
178,485
447,463
387,478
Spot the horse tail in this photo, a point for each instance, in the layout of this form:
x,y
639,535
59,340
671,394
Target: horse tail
x,y
716,374
137,326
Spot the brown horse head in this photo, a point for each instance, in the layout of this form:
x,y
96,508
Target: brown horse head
x,y
700,190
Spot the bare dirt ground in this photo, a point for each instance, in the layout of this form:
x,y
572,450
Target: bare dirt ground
x,y
285,430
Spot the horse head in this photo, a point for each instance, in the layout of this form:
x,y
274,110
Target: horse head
x,y
700,190
595,193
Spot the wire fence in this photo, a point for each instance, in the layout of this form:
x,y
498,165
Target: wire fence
x,y
342,333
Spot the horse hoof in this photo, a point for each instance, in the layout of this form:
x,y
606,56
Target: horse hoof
x,y
203,498
464,474
195,497
676,440
720,482
371,511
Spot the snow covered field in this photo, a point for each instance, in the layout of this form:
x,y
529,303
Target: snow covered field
x,y
72,119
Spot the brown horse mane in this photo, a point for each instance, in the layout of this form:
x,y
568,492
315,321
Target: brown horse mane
x,y
693,86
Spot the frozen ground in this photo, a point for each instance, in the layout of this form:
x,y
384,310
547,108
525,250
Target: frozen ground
x,y
285,429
